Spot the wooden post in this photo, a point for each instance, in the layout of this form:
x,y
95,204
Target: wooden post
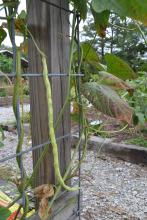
x,y
50,27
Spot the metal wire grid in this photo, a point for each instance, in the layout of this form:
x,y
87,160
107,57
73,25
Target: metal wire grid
x,y
40,74
78,75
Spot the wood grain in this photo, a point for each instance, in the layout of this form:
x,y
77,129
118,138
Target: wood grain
x,y
50,28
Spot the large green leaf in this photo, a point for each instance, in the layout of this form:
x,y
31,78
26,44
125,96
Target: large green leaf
x,y
81,7
118,67
4,213
107,101
89,54
135,9
90,62
101,21
3,35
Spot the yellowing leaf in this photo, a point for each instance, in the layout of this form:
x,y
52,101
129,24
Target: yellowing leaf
x,y
107,101
114,82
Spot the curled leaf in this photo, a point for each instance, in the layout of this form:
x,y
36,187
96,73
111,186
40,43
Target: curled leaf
x,y
114,82
107,101
44,191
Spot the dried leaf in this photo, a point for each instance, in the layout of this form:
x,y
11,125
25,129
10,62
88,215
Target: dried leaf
x,y
43,205
43,192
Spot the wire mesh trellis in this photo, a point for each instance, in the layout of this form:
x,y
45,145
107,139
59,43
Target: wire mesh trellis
x,y
77,75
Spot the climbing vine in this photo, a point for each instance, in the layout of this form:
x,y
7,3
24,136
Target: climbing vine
x,y
101,11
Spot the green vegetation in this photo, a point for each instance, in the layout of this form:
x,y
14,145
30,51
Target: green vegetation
x,y
138,100
6,64
140,141
105,76
26,117
3,92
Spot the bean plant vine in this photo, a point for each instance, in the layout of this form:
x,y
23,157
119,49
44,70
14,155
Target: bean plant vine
x,y
25,180
101,18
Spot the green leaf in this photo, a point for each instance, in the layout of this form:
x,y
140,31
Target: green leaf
x,y
135,9
3,35
11,4
75,117
89,54
22,15
107,101
141,118
4,213
101,21
118,67
90,62
81,7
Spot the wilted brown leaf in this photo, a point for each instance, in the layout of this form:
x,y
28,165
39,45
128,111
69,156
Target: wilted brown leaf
x,y
114,82
107,101
43,192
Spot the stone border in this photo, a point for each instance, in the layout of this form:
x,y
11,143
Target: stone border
x,y
12,128
129,153
7,101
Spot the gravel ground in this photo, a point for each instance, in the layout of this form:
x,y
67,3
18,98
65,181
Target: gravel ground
x,y
7,115
112,189
10,144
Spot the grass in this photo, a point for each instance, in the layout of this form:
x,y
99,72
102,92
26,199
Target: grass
x,y
140,141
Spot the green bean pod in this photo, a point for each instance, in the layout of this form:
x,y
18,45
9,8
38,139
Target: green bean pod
x,y
51,127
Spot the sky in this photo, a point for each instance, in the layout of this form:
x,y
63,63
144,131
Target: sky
x,y
18,39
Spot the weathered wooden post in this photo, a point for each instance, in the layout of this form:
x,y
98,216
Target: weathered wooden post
x,y
50,27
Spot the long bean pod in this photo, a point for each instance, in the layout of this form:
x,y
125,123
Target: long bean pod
x,y
51,127
16,96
